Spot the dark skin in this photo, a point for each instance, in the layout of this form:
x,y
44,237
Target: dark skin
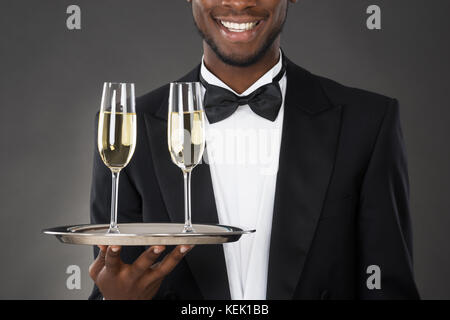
x,y
270,15
138,281
238,59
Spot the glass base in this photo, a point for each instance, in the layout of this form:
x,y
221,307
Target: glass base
x,y
188,229
113,230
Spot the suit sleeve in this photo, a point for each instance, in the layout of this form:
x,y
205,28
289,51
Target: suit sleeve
x,y
129,205
384,226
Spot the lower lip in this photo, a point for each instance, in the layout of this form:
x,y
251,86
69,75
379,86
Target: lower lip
x,y
243,36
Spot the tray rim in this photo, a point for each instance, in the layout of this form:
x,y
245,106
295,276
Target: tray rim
x,y
64,235
65,231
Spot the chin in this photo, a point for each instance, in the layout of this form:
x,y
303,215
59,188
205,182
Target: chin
x,y
233,54
239,58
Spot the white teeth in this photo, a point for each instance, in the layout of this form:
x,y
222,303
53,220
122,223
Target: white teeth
x,y
238,27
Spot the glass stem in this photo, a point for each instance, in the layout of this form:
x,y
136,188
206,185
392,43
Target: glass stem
x,y
115,189
187,202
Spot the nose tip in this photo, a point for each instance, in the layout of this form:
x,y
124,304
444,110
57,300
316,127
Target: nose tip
x,y
239,5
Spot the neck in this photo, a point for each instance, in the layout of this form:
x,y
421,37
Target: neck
x,y
241,78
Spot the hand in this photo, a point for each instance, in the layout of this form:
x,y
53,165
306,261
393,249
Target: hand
x,y
138,281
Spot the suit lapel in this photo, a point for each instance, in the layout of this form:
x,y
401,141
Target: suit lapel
x,y
206,262
309,139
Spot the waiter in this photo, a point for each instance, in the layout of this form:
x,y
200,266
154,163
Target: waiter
x,y
317,168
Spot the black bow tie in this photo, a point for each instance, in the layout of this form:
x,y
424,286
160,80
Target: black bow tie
x,y
265,101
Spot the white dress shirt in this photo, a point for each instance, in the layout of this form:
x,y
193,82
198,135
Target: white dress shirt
x,y
243,153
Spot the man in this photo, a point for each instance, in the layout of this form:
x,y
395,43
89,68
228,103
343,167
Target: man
x,y
330,203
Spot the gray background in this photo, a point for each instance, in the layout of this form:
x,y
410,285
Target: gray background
x,y
50,86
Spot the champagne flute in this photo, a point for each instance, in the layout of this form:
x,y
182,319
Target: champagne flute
x,y
186,135
116,135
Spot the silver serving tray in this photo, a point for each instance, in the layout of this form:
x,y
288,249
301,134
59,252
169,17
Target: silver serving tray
x,y
145,234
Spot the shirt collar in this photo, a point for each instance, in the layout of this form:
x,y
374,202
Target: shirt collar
x,y
265,79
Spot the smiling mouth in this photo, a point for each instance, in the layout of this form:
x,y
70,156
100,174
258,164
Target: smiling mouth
x,y
239,27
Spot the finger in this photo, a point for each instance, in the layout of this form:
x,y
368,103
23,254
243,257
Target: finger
x,y
97,265
171,260
154,286
147,259
112,259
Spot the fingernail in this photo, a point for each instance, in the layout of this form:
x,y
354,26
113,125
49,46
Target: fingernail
x,y
115,249
157,250
185,249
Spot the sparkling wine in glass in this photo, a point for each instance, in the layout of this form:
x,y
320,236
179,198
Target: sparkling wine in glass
x,y
186,135
116,135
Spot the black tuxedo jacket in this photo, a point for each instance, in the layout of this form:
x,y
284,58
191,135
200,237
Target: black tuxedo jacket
x,y
341,201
